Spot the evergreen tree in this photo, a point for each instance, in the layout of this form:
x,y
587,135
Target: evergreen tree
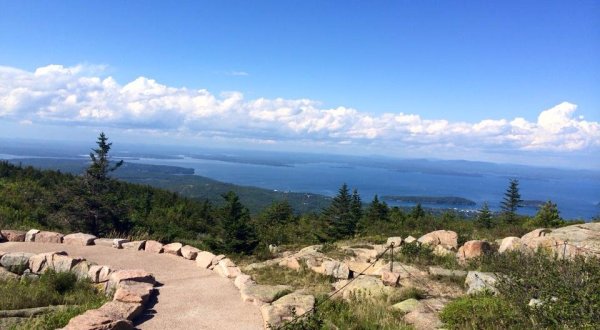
x,y
102,209
484,218
376,214
273,222
512,201
356,206
237,233
417,212
548,215
100,167
338,215
377,211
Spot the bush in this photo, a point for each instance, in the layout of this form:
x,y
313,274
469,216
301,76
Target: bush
x,y
568,290
356,314
482,311
422,254
52,288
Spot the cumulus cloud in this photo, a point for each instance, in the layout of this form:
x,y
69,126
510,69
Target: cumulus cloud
x,y
80,95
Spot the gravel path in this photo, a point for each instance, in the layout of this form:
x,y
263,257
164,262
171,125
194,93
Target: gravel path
x,y
189,298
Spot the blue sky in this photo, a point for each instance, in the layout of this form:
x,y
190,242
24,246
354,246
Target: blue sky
x,y
359,66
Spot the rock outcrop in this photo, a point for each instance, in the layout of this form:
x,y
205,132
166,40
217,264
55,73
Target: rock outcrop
x,y
48,237
189,252
204,259
135,245
473,249
153,246
479,281
13,235
173,248
511,243
286,308
79,239
261,294
448,239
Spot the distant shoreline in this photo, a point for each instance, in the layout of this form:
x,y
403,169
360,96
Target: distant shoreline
x,y
447,200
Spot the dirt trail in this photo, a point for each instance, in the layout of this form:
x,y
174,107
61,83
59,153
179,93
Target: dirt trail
x,y
189,298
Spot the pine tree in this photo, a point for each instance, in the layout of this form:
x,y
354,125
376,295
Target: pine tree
x,y
377,211
484,219
100,167
237,233
417,212
273,222
339,215
512,201
548,215
356,206
103,210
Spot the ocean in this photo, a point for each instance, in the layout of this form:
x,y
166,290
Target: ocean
x,y
576,193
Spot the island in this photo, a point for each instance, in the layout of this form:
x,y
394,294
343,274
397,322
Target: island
x,y
443,200
532,203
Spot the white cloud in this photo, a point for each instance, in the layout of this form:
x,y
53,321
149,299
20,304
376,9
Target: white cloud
x,y
79,95
238,73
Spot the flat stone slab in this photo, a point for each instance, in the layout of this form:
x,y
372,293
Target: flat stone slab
x,y
260,294
407,305
136,275
135,245
79,239
133,292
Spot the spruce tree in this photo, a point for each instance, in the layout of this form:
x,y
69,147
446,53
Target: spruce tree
x,y
237,233
484,218
377,211
339,215
356,206
100,167
548,215
103,208
273,223
512,201
417,212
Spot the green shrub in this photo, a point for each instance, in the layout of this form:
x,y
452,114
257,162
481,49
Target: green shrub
x,y
51,288
482,311
56,319
422,255
568,290
355,314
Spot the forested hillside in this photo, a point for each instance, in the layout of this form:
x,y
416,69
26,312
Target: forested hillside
x,y
183,181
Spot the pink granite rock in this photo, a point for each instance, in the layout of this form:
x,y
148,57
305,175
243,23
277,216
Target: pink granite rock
x,y
173,248
153,247
204,259
133,292
48,237
79,239
13,235
189,252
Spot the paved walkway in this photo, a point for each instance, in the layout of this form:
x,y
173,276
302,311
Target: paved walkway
x,y
189,298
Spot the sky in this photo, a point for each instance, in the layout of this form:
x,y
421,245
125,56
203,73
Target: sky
x,y
510,81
